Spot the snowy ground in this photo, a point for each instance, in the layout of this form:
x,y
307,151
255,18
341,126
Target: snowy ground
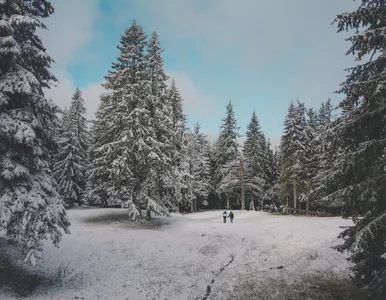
x,y
186,257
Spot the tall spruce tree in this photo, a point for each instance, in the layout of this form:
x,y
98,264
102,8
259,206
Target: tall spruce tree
x,y
357,178
30,208
178,116
274,193
135,141
312,165
168,174
325,114
227,157
98,176
213,198
266,167
285,159
255,178
197,164
293,155
325,155
122,123
271,178
70,162
177,142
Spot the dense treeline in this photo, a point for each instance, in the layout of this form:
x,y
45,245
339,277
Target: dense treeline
x,y
139,153
302,156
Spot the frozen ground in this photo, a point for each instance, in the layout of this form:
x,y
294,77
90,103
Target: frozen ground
x,y
186,257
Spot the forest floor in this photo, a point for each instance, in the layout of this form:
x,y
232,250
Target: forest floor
x,y
195,256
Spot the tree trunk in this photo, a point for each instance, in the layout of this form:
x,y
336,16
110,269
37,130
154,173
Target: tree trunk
x,y
307,206
192,206
228,202
295,200
138,206
148,214
274,205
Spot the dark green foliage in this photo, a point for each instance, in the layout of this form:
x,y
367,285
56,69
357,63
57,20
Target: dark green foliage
x,y
254,163
227,157
356,179
70,161
293,155
30,208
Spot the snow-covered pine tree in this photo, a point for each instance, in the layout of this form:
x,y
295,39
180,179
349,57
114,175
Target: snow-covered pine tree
x,y
156,74
158,106
70,161
98,175
324,120
204,166
230,185
56,123
325,115
197,165
227,157
266,167
253,164
133,154
213,198
286,149
135,150
169,127
178,118
62,161
293,155
272,197
81,130
325,154
274,193
357,178
121,126
301,158
312,165
30,208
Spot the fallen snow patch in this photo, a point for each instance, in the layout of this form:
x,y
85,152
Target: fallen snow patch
x,y
196,256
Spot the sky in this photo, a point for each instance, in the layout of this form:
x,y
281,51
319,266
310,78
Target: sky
x,y
259,54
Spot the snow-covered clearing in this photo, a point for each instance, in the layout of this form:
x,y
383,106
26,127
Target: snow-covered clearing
x,y
186,257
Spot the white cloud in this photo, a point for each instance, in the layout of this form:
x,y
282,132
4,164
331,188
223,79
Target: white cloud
x,y
212,137
91,95
62,93
275,142
257,33
69,29
194,101
63,90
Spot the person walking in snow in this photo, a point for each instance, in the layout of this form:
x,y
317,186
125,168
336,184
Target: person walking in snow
x,y
224,216
231,216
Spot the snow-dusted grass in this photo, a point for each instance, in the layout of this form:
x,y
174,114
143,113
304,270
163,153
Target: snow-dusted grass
x,y
196,256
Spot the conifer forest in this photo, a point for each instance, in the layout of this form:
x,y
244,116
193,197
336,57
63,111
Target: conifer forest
x,y
129,204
